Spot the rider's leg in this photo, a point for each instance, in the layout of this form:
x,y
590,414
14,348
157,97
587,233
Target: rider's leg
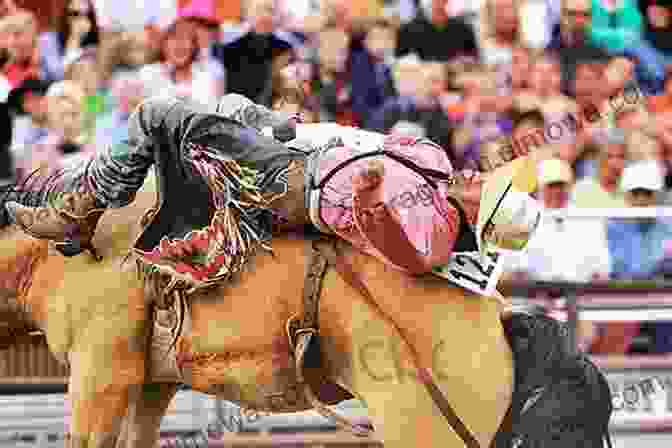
x,y
69,207
242,109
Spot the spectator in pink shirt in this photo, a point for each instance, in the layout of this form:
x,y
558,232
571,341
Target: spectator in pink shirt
x,y
179,73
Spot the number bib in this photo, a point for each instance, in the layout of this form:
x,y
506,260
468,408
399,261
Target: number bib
x,y
473,272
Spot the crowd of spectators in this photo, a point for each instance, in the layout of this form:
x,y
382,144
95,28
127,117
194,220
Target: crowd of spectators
x,y
590,78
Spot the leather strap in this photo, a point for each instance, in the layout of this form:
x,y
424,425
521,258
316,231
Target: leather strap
x,y
302,334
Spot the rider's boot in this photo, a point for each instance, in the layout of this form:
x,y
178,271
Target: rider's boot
x,y
70,221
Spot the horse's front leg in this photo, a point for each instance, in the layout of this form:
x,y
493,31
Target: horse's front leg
x,y
105,379
96,418
145,411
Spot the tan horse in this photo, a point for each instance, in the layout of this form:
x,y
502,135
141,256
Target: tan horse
x,y
96,317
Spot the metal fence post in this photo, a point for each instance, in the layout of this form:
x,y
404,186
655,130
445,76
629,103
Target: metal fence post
x,y
572,319
219,412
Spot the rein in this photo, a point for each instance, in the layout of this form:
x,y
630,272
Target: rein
x,y
302,334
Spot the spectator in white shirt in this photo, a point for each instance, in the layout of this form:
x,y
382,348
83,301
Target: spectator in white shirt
x,y
548,255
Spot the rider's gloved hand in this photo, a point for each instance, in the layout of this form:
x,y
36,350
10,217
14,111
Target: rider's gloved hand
x,y
285,131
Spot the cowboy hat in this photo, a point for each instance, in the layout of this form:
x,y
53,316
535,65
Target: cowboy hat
x,y
508,215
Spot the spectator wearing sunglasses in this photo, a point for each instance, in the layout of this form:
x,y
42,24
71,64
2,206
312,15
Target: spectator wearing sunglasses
x,y
77,29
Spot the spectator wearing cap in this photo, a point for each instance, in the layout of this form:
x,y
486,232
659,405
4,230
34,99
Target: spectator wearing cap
x,y
178,71
28,106
546,256
637,245
637,249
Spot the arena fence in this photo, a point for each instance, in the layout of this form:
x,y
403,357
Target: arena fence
x,y
641,384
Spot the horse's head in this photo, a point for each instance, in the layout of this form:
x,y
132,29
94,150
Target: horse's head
x,y
33,275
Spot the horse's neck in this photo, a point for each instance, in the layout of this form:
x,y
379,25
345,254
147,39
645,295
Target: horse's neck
x,y
422,312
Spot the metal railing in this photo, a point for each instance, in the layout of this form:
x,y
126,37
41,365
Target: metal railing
x,y
42,420
599,300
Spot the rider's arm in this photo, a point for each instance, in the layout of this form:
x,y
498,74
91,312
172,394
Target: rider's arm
x,y
244,110
158,120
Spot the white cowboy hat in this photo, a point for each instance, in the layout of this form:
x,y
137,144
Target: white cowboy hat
x,y
642,174
507,214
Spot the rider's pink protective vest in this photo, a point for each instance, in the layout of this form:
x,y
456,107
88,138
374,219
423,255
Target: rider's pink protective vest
x,y
415,228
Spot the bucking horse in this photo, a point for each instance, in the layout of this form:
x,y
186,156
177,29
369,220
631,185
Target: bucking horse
x,y
309,323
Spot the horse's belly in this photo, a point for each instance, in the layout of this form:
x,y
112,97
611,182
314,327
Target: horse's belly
x,y
260,381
